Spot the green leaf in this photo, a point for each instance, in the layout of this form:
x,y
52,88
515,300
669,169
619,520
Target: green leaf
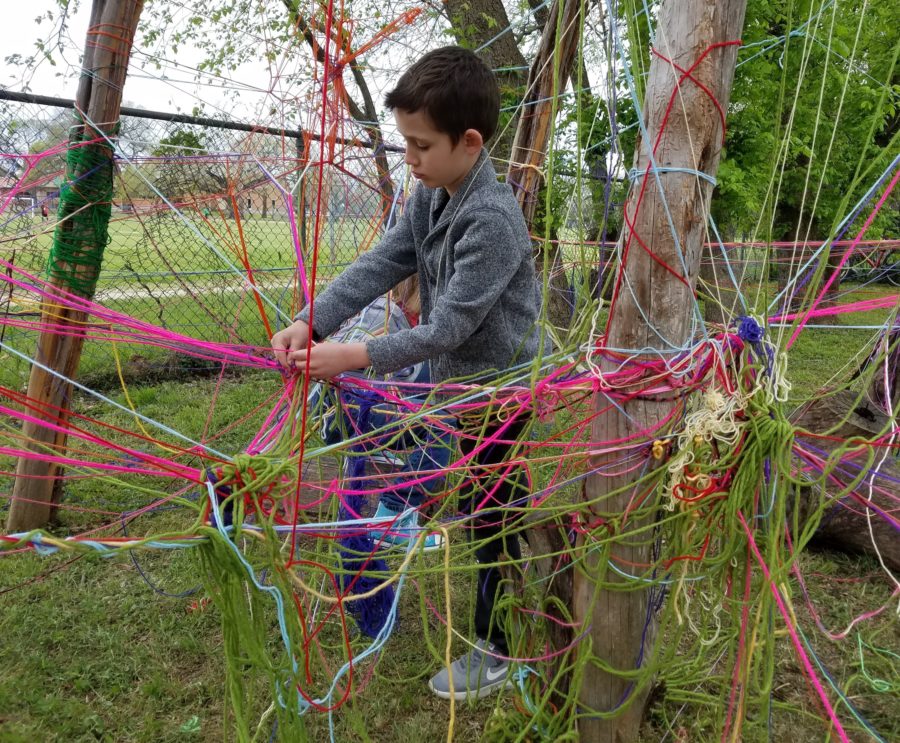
x,y
191,727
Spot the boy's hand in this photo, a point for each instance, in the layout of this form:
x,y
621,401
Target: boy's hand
x,y
327,360
292,338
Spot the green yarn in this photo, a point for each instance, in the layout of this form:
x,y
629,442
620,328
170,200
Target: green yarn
x,y
247,627
85,207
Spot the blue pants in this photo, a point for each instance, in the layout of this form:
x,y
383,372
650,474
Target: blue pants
x,y
417,450
421,447
490,530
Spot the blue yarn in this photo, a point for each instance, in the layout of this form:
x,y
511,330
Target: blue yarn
x,y
371,614
749,330
634,173
839,232
843,697
753,333
146,578
203,239
734,282
110,401
221,493
509,28
698,325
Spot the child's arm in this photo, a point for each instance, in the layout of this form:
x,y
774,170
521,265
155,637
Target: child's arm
x,y
368,277
326,360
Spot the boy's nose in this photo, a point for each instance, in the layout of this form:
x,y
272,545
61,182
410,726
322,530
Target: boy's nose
x,y
408,158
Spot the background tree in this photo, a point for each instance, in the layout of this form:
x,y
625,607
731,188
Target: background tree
x,y
812,122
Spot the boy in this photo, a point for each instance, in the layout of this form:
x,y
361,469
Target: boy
x,y
464,235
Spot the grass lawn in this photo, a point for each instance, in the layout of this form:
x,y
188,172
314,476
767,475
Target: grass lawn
x,y
162,270
93,651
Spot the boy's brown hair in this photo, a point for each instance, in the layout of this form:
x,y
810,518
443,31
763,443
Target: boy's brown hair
x,y
454,88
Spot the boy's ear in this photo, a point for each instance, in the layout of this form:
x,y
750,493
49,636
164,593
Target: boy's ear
x,y
473,141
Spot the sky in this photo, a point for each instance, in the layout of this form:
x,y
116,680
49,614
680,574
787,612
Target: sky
x,y
19,31
254,94
172,89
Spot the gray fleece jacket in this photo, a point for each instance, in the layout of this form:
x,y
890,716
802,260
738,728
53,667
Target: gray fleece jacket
x,y
479,298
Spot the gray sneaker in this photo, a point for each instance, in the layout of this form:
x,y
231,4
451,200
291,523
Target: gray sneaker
x,y
475,675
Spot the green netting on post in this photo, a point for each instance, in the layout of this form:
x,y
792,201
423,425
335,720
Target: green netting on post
x,y
85,207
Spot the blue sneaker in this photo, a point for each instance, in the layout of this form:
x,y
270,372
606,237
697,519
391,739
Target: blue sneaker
x,y
396,528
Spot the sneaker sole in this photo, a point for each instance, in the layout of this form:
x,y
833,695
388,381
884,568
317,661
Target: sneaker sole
x,y
479,693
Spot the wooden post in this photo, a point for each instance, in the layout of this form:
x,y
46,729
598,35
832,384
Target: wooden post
x,y
106,53
547,78
884,389
652,311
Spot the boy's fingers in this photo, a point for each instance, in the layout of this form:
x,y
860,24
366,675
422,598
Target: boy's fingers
x,y
297,358
280,349
285,344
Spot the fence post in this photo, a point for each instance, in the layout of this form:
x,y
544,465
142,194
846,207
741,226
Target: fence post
x,y
74,265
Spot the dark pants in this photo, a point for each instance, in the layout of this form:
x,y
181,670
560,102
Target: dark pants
x,y
488,526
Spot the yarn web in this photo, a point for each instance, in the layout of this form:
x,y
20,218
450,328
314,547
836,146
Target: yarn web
x,y
281,522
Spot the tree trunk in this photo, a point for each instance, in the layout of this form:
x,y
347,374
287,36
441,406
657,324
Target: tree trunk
x,y
685,132
862,523
546,80
500,52
106,54
884,390
366,115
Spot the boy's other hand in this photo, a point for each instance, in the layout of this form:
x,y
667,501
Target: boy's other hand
x,y
327,360
292,338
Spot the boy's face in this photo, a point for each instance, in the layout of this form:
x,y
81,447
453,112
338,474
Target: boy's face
x,y
431,155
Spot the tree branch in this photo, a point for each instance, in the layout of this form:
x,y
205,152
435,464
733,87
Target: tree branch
x,y
366,116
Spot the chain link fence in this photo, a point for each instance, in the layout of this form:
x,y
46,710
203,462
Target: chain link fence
x,y
200,213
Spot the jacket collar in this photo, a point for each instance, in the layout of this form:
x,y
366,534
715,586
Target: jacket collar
x,y
481,175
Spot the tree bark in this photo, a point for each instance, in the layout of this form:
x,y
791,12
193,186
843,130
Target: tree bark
x,y
862,523
105,65
652,311
546,79
498,47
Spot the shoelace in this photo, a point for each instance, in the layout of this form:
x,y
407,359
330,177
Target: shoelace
x,y
479,658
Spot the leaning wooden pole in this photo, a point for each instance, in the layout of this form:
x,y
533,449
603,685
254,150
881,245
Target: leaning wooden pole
x,y
547,78
74,265
687,93
551,68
